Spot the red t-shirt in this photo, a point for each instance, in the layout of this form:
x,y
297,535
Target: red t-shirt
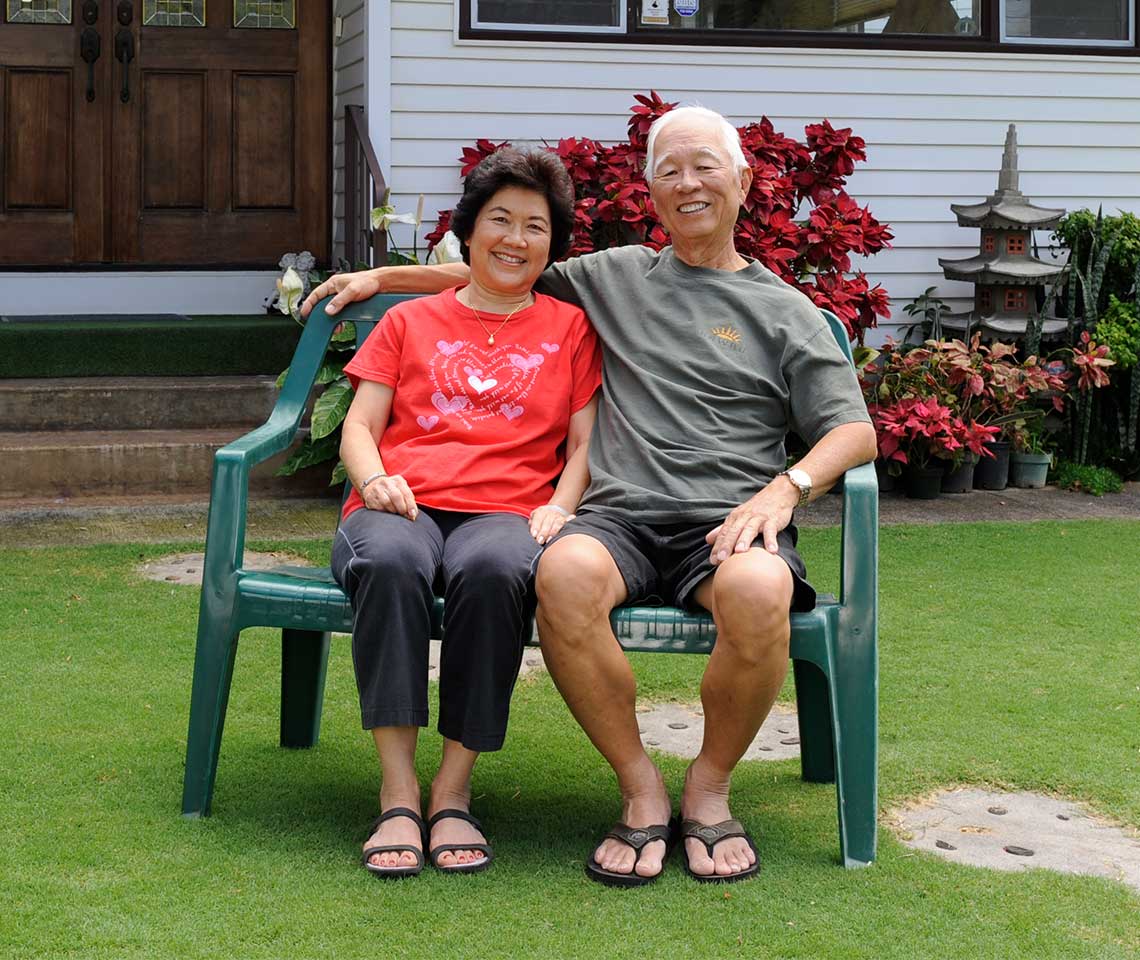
x,y
478,428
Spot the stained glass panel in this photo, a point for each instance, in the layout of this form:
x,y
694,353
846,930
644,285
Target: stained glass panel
x,y
174,13
39,11
280,14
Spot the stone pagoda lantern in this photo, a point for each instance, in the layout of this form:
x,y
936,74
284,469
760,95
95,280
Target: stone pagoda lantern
x,y
1005,273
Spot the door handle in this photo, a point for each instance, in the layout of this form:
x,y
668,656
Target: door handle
x,y
125,53
89,47
125,45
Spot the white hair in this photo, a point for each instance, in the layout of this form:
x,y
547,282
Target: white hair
x,y
729,135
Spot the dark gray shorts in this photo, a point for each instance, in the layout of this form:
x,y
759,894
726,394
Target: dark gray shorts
x,y
664,563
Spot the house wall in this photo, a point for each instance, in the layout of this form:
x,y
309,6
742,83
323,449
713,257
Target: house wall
x,y
348,88
934,123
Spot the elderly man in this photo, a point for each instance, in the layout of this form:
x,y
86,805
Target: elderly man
x,y
709,359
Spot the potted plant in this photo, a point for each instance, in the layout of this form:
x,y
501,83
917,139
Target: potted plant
x,y
921,433
1030,459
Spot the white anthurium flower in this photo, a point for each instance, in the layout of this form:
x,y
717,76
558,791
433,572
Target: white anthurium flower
x,y
446,251
384,217
290,289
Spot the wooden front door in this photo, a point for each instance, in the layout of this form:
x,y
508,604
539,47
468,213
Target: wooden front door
x,y
198,136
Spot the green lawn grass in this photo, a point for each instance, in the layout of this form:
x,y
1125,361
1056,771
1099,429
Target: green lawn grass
x,y
1008,657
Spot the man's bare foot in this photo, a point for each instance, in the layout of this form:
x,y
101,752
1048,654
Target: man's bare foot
x,y
705,799
643,806
452,830
398,831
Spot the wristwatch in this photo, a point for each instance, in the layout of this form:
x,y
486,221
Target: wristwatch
x,y
801,480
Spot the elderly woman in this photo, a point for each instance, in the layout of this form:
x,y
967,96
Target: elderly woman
x,y
466,447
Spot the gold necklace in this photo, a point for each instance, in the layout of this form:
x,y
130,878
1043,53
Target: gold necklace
x,y
491,336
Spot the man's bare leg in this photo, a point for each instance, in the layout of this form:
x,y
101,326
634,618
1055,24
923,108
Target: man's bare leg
x,y
749,597
578,584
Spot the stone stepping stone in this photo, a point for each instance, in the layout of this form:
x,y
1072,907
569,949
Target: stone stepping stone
x,y
677,728
1019,831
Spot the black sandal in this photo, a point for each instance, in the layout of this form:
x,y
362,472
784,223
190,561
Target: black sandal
x,y
637,838
710,834
396,872
484,848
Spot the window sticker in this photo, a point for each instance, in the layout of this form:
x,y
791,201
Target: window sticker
x,y
655,11
686,8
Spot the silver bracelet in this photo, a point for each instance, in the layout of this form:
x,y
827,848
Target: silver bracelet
x,y
553,506
375,476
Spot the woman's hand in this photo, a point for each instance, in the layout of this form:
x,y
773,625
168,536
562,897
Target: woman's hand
x,y
391,494
546,521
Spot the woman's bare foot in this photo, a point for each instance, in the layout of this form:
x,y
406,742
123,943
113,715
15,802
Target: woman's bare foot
x,y
452,830
398,831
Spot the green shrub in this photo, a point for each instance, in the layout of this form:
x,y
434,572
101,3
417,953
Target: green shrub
x,y
1086,479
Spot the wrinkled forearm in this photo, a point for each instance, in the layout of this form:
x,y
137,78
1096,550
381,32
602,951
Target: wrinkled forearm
x,y
840,449
416,278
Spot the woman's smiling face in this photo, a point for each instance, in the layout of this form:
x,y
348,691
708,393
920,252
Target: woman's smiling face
x,y
510,244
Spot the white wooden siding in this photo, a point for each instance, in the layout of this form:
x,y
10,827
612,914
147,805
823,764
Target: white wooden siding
x,y
348,88
934,123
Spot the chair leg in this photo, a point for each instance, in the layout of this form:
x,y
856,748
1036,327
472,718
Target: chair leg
x,y
813,706
855,700
304,661
213,671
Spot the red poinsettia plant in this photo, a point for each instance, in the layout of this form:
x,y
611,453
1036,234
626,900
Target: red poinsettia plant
x,y
798,219
918,430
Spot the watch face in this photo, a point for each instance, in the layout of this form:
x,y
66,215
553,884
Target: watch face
x,y
800,478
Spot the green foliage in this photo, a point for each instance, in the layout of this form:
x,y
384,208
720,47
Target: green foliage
x,y
1087,235
1120,329
330,408
309,453
1088,479
929,310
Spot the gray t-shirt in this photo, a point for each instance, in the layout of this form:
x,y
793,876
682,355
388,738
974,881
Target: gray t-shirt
x,y
704,372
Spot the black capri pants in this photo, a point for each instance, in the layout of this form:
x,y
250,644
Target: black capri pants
x,y
391,567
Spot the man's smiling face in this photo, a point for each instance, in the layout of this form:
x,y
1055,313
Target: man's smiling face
x,y
695,187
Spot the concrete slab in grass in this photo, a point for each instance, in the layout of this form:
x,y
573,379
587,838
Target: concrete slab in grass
x,y
1019,831
677,728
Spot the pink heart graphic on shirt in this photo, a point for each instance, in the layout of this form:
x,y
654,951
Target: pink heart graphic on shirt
x,y
487,378
510,412
481,386
550,347
528,361
445,406
447,349
427,422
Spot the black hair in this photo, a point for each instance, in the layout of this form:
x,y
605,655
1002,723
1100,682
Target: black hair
x,y
538,170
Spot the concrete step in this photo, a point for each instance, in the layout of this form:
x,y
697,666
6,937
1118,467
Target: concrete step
x,y
76,464
135,403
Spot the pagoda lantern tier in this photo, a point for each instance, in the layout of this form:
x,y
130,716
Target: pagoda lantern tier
x,y
1004,272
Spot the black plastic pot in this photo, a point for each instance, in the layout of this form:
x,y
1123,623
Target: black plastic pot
x,y
960,479
923,483
992,473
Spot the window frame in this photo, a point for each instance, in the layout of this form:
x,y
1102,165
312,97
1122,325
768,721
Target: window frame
x,y
991,21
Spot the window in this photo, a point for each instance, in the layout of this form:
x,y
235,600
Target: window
x,y
974,25
563,16
1015,243
1090,22
1014,301
988,243
985,300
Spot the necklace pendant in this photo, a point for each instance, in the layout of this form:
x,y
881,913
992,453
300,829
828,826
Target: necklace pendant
x,y
491,340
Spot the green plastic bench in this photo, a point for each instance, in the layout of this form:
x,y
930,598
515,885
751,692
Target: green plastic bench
x,y
833,648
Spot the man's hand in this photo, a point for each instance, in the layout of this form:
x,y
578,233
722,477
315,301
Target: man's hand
x,y
348,287
391,494
765,514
